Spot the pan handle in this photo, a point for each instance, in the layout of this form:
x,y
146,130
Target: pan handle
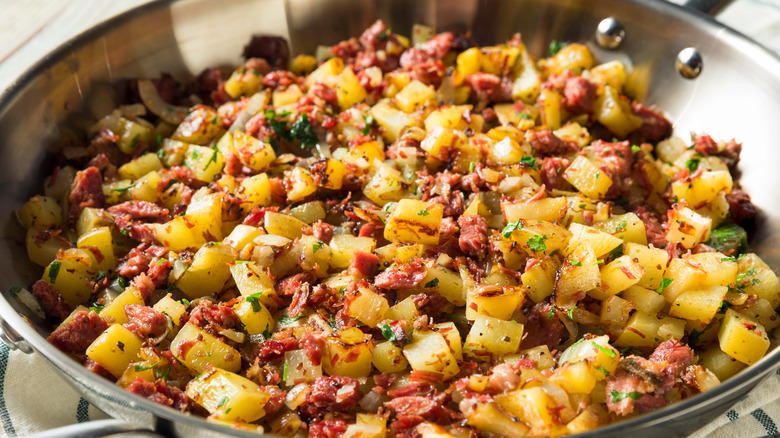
x,y
98,429
709,7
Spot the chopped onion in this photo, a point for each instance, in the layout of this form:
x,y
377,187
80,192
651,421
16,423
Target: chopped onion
x,y
162,109
371,402
271,240
571,327
233,335
178,269
296,396
263,256
443,260
29,301
132,111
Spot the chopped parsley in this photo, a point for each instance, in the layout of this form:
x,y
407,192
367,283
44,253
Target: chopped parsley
x,y
692,164
367,127
728,237
528,161
122,282
304,132
284,372
123,189
213,159
54,270
383,35
254,300
139,368
287,320
100,276
226,399
432,283
536,243
556,46
423,213
472,166
15,290
162,375
635,148
603,370
665,282
522,115
316,247
575,262
621,226
617,395
510,227
387,332
604,350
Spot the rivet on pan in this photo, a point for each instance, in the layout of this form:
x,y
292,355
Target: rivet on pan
x,y
689,63
610,33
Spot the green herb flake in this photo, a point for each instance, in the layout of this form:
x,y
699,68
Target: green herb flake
x,y
185,301
575,262
254,300
123,189
536,243
528,161
610,353
552,312
139,368
304,132
423,213
367,127
287,320
665,282
384,34
556,46
284,372
100,276
15,290
387,332
432,283
316,247
213,159
603,370
617,395
570,313
692,164
472,165
635,148
510,227
225,400
162,375
621,226
135,141
728,238
54,270
522,115
122,282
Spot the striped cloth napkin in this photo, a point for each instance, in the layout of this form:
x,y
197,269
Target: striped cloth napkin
x,y
28,385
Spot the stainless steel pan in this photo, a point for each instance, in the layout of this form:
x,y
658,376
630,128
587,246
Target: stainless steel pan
x,y
736,94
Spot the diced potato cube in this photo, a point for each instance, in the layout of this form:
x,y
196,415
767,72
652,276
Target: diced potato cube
x,y
140,166
742,338
329,173
197,350
252,152
208,272
446,283
344,246
348,89
757,278
429,352
364,154
699,270
615,311
720,363
348,353
533,407
391,120
438,142
579,273
299,368
488,418
92,218
492,337
199,127
539,279
283,225
114,349
452,117
228,396
253,282
601,242
132,133
43,247
577,378
72,274
649,330
254,316
388,358
256,192
414,221
617,276
653,260
40,212
368,307
615,113
546,209
405,310
301,184
703,188
627,227
100,245
550,105
114,312
688,227
171,308
414,96
495,301
575,56
587,178
527,81
646,300
701,304
288,96
538,237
